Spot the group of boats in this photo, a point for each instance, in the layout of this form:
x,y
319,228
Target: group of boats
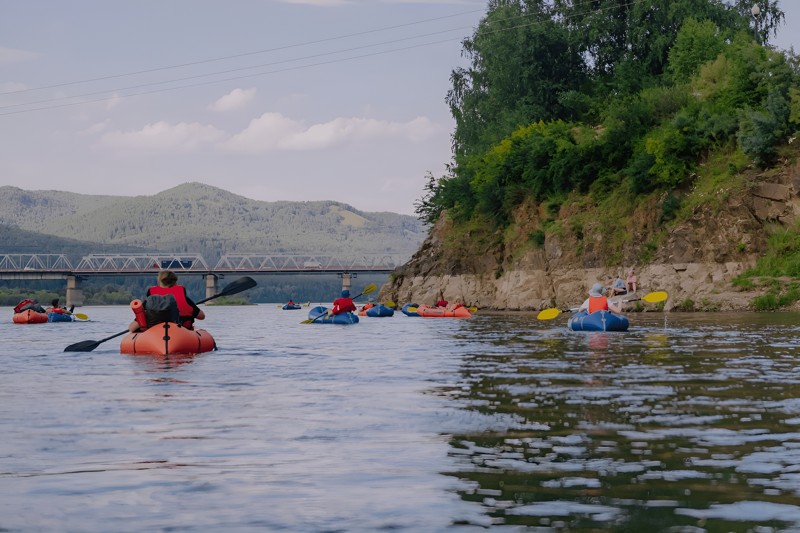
x,y
30,316
168,338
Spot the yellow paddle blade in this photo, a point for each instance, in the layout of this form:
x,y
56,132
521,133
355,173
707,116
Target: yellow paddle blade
x,y
548,314
369,288
390,303
473,309
655,297
81,316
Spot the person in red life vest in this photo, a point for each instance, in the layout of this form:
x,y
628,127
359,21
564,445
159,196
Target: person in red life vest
x,y
343,304
168,286
455,305
54,308
29,303
441,302
597,301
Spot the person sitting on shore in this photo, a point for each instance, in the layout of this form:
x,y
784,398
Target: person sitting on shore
x,y
618,288
631,282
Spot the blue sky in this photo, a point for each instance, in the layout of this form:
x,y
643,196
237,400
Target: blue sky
x,y
273,100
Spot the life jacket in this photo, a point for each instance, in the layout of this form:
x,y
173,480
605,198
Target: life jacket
x,y
342,305
178,292
24,304
598,303
441,303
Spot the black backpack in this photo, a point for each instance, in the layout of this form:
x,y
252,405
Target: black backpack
x,y
158,309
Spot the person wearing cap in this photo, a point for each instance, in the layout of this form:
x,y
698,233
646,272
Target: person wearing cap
x,y
168,285
597,301
344,304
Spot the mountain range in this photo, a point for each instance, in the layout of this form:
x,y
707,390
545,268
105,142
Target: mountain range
x,y
197,218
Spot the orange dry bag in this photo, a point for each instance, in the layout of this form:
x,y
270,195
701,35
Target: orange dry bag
x,y
138,310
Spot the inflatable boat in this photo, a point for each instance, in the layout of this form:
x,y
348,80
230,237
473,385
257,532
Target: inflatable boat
x,y
29,316
54,316
442,312
341,318
291,306
410,310
167,338
597,321
377,311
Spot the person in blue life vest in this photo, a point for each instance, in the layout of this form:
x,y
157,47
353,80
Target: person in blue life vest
x,y
187,310
343,304
597,301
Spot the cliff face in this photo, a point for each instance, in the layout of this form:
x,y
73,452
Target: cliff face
x,y
695,259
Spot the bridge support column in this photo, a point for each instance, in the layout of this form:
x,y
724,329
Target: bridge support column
x,y
346,278
211,285
74,291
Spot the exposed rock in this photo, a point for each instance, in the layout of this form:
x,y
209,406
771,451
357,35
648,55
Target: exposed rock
x,y
697,263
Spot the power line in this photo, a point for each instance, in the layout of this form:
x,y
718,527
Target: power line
x,y
234,56
257,74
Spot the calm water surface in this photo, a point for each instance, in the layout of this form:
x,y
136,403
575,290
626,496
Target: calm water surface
x,y
685,423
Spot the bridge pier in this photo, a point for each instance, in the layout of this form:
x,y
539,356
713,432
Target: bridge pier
x,y
346,278
74,291
211,285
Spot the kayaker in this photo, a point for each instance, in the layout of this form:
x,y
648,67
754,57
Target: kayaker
x,y
597,301
54,308
291,302
168,285
29,303
441,302
343,304
457,304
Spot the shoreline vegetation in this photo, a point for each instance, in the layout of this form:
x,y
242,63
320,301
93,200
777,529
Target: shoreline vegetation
x,y
609,150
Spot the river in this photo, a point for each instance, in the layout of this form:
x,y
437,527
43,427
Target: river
x,y
688,422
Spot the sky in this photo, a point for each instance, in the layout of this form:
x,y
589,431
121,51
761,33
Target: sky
x,y
274,100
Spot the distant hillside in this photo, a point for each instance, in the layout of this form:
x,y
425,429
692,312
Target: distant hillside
x,y
198,218
14,240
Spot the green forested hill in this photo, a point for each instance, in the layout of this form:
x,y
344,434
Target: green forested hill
x,y
198,218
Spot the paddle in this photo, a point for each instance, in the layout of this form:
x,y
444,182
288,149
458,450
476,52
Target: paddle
x,y
653,297
234,287
368,289
81,316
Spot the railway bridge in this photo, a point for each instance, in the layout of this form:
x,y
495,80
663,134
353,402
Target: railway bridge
x,y
74,271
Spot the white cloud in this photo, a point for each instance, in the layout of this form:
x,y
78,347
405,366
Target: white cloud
x,y
273,131
236,99
12,55
162,137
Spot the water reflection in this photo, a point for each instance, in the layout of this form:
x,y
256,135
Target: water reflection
x,y
695,424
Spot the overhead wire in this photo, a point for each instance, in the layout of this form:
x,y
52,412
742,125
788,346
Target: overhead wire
x,y
113,93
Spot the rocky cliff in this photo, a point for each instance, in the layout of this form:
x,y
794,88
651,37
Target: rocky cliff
x,y
694,258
